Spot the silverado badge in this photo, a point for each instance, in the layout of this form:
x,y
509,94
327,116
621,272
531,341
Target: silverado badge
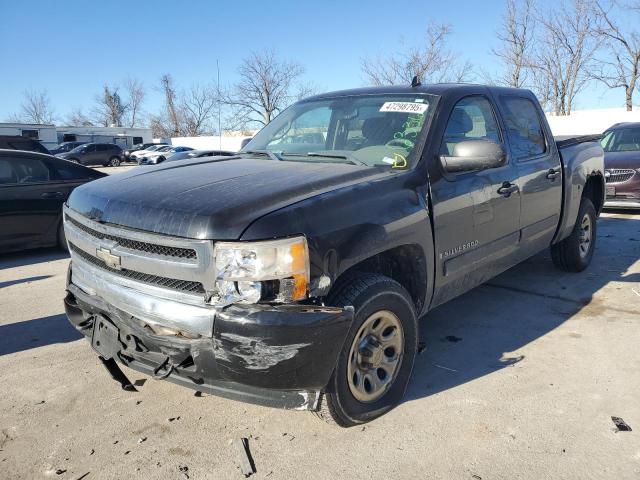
x,y
110,260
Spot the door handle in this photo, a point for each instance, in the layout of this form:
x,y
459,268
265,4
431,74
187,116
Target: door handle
x,y
507,189
552,174
52,195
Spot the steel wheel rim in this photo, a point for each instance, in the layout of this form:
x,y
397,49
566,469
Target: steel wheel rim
x,y
585,236
375,356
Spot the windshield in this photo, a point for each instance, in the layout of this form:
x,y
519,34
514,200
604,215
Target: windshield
x,y
163,149
622,140
79,149
372,130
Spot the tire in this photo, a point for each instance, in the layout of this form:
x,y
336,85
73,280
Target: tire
x,y
574,253
114,162
346,401
160,160
62,239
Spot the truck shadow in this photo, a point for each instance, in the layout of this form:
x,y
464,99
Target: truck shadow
x,y
482,331
19,336
31,257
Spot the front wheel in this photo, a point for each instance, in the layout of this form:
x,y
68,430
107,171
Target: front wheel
x,y
114,162
574,253
376,361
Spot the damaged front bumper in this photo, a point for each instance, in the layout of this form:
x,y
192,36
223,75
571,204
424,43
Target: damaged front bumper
x,y
279,356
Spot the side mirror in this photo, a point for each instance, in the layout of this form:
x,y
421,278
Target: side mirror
x,y
244,142
470,155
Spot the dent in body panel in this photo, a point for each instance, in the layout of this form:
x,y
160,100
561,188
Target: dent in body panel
x,y
349,225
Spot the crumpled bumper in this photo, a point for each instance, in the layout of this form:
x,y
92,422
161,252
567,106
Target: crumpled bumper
x,y
280,356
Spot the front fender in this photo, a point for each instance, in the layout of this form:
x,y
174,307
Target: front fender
x,y
347,226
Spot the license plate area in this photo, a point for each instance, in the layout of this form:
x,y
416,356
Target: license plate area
x,y
611,191
105,338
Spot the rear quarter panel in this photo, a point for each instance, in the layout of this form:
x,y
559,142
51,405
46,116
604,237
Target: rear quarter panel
x,y
579,162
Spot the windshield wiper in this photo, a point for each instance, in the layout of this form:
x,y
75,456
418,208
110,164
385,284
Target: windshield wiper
x,y
348,158
268,153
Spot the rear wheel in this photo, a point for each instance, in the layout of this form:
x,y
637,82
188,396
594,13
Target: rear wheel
x,y
114,162
376,361
574,253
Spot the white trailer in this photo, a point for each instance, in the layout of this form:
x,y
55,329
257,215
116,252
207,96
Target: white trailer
x,y
46,134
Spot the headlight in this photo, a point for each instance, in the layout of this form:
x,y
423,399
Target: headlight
x,y
274,270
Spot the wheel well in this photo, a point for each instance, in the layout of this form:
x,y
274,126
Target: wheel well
x,y
405,264
594,191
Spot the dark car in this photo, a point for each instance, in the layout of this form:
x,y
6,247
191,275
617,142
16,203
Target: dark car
x,y
105,154
33,188
621,145
16,142
198,154
65,147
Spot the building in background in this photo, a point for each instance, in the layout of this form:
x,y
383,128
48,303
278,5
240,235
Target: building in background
x,y
46,134
125,137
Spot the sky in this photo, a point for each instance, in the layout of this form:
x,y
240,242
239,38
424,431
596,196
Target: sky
x,y
72,48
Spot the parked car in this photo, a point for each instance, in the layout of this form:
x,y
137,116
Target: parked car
x,y
621,144
160,155
105,154
65,147
16,142
139,147
189,154
33,188
138,155
294,274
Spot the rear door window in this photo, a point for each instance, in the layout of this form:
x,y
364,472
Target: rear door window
x,y
69,171
524,129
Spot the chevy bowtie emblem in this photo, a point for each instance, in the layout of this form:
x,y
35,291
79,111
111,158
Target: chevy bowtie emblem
x,y
110,260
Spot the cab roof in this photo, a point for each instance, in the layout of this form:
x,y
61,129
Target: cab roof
x,y
439,89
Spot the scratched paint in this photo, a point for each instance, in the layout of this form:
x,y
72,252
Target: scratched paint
x,y
257,354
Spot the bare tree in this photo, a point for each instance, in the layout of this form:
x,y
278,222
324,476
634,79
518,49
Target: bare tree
x,y
565,52
135,97
432,62
77,118
36,108
516,35
621,66
110,108
186,112
197,107
264,88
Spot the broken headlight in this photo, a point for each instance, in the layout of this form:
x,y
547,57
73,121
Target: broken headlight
x,y
273,270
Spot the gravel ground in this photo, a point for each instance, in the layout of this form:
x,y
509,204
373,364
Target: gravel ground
x,y
520,379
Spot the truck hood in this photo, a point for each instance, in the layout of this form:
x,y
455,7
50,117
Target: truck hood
x,y
622,159
216,198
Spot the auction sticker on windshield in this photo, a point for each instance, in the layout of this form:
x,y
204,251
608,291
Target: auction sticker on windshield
x,y
404,107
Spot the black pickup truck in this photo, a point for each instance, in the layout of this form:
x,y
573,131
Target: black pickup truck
x,y
294,273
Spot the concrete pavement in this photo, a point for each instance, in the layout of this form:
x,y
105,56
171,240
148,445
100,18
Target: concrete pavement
x,y
519,380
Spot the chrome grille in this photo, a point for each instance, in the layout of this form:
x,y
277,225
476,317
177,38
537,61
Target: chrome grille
x,y
176,252
618,175
158,281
